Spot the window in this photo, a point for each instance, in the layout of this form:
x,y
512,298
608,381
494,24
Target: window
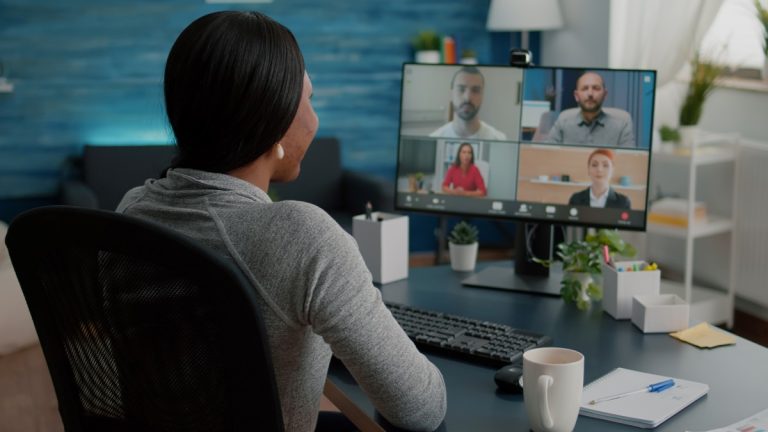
x,y
736,38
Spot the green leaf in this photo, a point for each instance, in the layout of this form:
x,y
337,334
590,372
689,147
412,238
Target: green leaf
x,y
595,292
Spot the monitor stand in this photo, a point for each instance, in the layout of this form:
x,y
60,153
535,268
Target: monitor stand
x,y
526,275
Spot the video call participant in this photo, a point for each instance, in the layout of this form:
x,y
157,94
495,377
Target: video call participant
x,y
467,88
240,125
463,178
600,193
590,123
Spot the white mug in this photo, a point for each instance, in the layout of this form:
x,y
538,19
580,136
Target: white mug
x,y
553,380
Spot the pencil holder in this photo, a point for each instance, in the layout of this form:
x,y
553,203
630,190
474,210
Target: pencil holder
x,y
383,243
624,280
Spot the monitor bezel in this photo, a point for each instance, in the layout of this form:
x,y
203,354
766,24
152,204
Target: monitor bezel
x,y
513,217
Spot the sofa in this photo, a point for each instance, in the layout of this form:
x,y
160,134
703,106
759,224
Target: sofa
x,y
102,175
16,328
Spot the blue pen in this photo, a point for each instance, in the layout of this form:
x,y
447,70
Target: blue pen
x,y
653,388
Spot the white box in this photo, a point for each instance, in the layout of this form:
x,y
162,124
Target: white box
x,y
620,286
383,243
660,313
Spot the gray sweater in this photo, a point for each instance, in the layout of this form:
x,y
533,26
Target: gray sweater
x,y
314,291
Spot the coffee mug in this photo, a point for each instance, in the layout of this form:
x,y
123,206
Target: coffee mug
x,y
553,380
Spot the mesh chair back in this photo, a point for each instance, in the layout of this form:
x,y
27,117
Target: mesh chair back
x,y
142,329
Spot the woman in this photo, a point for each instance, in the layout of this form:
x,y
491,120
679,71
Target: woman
x,y
463,178
238,100
599,193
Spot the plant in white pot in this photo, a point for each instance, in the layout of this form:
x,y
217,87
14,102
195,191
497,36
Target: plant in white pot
x,y
462,245
426,47
582,265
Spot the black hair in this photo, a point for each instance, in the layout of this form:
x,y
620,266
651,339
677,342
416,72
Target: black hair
x,y
457,161
468,70
233,83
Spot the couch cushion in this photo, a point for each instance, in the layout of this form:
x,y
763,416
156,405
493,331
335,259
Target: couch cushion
x,y
319,182
110,171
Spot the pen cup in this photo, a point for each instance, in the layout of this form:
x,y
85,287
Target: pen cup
x,y
383,243
624,280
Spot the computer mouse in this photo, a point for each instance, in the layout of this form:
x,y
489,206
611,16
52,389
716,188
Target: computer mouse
x,y
510,378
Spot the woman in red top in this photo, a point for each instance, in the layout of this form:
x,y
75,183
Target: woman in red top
x,y
463,177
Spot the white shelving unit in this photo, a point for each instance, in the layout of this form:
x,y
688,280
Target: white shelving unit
x,y
708,304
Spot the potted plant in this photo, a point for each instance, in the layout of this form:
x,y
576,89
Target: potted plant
x,y
704,74
462,246
582,265
762,15
468,57
426,45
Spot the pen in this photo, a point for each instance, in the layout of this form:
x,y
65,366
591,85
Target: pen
x,y
368,210
653,388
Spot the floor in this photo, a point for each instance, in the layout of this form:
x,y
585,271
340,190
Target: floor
x,y
28,401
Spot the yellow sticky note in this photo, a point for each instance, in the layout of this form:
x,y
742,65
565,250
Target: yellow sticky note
x,y
704,336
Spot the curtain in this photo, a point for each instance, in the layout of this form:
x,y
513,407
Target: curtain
x,y
658,34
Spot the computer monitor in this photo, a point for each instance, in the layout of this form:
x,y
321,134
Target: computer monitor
x,y
543,145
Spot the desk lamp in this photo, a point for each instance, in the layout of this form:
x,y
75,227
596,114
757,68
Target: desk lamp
x,y
524,16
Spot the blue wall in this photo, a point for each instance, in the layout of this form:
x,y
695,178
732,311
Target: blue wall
x,y
89,71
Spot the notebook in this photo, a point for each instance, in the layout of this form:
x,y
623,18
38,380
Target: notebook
x,y
645,410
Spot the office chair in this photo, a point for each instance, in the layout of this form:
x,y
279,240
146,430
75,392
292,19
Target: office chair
x,y
142,328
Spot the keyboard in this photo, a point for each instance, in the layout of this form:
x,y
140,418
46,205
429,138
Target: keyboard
x,y
477,341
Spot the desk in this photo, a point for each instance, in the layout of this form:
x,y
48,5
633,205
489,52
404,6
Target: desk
x,y
737,374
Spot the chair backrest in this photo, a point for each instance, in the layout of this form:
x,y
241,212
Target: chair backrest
x,y
142,328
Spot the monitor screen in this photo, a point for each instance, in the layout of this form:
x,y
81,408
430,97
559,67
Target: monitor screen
x,y
558,145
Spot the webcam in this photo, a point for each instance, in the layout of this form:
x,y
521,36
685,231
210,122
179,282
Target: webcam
x,y
520,57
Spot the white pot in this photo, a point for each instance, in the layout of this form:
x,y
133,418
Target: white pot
x,y
463,257
429,56
688,135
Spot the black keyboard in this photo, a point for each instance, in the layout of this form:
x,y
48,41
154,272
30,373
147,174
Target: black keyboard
x,y
474,340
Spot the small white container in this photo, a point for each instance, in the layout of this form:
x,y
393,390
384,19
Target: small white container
x,y
383,243
620,286
660,313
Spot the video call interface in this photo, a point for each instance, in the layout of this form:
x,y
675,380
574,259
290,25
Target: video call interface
x,y
554,144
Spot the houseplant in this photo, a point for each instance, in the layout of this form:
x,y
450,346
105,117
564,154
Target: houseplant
x,y
704,74
468,57
426,46
462,245
582,268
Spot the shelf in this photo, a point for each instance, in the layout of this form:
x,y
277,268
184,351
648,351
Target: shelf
x,y
714,225
704,155
583,184
708,304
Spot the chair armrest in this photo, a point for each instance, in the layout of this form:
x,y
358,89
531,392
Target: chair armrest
x,y
77,193
360,188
